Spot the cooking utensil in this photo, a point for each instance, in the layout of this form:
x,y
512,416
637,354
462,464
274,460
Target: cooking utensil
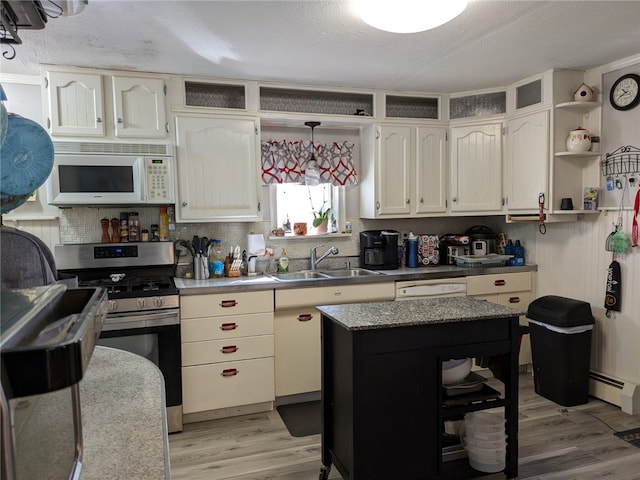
x,y
196,243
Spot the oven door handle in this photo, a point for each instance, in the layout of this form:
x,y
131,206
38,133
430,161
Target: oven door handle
x,y
126,321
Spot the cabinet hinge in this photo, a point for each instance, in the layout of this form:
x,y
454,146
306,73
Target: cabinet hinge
x,y
259,207
446,136
505,130
165,90
46,82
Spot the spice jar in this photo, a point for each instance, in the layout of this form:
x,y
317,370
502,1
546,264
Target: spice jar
x,y
134,227
144,235
124,226
155,233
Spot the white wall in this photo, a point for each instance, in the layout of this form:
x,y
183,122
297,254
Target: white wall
x,y
572,260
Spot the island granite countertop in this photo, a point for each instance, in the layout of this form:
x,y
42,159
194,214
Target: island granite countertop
x,y
368,316
123,418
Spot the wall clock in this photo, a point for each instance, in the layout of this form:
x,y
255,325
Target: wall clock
x,y
625,92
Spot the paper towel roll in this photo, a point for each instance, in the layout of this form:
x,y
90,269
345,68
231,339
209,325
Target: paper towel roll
x,y
255,244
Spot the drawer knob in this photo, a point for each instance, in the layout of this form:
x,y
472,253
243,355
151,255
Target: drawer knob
x,y
228,303
500,283
229,326
305,317
229,349
514,299
229,372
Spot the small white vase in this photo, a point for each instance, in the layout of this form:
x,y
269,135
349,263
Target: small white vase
x,y
579,140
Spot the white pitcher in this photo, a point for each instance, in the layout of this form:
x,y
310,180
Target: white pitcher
x,y
579,140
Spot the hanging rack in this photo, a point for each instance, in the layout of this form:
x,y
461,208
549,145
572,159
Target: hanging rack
x,y
622,161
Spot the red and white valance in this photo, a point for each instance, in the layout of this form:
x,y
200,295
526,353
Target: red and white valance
x,y
285,162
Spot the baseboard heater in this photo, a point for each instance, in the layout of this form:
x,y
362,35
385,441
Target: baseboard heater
x,y
626,395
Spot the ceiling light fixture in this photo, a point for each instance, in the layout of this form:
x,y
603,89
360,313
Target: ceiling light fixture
x,y
408,16
312,171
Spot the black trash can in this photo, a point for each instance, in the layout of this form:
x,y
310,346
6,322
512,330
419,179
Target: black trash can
x,y
560,332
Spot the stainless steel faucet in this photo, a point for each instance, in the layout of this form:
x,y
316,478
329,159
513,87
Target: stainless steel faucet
x,y
315,261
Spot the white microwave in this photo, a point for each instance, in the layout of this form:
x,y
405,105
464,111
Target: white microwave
x,y
97,178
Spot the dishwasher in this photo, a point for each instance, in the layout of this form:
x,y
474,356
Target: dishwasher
x,y
436,288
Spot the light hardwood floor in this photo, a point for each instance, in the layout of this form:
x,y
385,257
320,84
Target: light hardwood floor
x,y
576,443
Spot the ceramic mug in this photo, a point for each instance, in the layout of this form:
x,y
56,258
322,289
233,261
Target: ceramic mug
x,y
300,228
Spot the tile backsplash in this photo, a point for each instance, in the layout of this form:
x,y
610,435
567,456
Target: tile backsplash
x,y
82,225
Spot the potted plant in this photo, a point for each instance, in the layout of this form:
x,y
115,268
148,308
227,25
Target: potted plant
x,y
321,219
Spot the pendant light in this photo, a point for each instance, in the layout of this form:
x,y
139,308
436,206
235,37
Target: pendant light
x,y
312,171
408,16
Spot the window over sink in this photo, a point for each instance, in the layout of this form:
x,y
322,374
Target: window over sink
x,y
302,204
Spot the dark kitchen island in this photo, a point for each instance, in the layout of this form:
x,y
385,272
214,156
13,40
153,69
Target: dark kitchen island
x,y
383,407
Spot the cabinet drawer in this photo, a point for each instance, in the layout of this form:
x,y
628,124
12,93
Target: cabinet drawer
x,y
509,282
211,351
236,303
214,328
227,384
304,297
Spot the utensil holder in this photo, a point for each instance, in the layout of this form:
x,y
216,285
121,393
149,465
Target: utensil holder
x,y
200,267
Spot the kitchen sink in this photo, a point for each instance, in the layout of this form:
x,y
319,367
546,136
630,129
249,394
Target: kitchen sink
x,y
296,276
349,273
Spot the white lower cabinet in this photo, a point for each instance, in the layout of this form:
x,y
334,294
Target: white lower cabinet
x,y
297,343
511,290
297,331
227,350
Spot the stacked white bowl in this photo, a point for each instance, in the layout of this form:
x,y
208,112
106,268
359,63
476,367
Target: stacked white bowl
x,y
485,440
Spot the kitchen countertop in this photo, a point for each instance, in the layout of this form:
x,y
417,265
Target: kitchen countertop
x,y
123,418
368,316
265,282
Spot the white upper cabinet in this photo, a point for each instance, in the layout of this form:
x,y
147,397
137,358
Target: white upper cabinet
x,y
83,104
395,154
430,182
75,104
476,168
139,107
408,175
218,163
527,161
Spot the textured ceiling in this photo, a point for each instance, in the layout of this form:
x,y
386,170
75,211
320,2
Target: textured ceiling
x,y
492,43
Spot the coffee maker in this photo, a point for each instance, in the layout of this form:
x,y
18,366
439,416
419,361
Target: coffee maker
x,y
379,249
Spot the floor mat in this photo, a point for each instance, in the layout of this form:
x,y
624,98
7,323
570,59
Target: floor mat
x,y
301,419
632,436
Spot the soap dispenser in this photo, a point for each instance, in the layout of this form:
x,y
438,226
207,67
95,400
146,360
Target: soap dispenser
x,y
283,262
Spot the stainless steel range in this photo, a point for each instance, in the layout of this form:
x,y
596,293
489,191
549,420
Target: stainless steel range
x,y
144,305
